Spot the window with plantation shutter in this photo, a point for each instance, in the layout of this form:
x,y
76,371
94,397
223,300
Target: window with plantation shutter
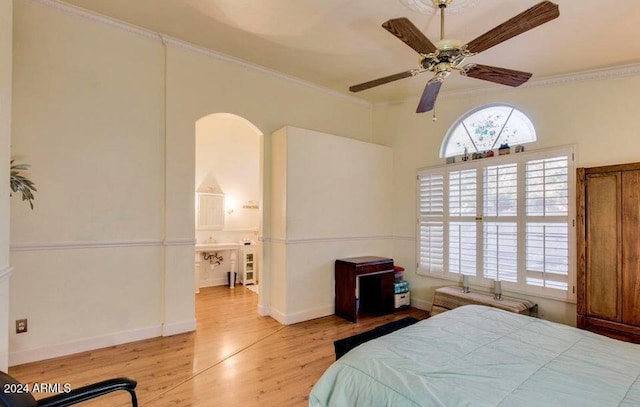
x,y
507,218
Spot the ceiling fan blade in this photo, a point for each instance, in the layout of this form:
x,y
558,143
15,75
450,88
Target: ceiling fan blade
x,y
525,21
429,95
382,81
409,34
502,76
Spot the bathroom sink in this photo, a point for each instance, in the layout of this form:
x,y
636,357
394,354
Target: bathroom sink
x,y
207,247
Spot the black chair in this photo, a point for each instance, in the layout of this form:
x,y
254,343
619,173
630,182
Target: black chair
x,y
12,394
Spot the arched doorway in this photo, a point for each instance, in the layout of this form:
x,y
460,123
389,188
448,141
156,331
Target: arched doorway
x,y
229,165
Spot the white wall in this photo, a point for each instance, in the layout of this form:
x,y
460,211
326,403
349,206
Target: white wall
x,y
6,32
333,201
110,133
599,116
87,115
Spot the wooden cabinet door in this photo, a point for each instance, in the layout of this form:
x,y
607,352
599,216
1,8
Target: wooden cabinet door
x,y
603,246
631,247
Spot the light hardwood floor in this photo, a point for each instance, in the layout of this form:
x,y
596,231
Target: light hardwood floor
x,y
235,358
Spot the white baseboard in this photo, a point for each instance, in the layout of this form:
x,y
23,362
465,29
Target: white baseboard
x,y
421,304
263,310
175,328
301,316
212,282
68,348
306,315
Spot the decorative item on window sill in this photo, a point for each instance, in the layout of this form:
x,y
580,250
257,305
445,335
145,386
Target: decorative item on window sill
x,y
520,149
451,160
497,290
504,149
465,156
20,183
465,284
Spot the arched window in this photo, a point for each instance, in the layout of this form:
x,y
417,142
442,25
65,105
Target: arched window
x,y
487,128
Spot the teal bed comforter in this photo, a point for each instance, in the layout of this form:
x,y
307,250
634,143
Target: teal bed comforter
x,y
480,356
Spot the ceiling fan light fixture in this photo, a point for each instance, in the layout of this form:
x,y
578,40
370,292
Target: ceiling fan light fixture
x,y
442,71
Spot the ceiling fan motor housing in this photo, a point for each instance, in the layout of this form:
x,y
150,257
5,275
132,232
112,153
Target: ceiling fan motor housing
x,y
441,3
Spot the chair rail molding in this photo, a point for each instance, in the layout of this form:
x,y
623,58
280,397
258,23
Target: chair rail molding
x,y
323,239
25,247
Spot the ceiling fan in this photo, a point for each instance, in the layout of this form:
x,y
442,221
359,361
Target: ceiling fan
x,y
446,55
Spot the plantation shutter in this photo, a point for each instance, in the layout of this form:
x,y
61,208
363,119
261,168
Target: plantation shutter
x,y
431,196
462,200
500,228
547,231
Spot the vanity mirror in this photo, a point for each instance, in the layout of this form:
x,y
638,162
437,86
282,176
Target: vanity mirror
x,y
209,211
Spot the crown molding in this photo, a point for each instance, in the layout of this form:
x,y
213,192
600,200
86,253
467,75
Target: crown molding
x,y
96,17
166,39
270,72
582,76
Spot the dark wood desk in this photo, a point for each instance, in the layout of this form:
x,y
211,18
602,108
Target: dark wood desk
x,y
376,276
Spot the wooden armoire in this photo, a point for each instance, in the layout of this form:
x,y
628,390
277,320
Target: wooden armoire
x,y
608,243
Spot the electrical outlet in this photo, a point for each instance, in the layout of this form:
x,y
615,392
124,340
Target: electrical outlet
x,y
21,326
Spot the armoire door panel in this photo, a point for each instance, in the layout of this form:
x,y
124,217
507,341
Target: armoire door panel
x,y
631,247
602,251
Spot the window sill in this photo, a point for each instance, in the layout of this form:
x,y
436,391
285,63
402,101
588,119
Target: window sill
x,y
506,289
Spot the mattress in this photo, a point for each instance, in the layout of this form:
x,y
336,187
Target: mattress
x,y
480,356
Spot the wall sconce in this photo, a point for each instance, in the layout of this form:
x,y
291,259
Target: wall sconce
x,y
229,205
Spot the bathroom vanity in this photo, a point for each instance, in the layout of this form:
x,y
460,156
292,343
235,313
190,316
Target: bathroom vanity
x,y
208,252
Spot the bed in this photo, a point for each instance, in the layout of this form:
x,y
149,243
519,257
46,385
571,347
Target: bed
x,y
480,356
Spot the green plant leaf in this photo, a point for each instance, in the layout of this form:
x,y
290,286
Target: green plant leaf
x,y
20,183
